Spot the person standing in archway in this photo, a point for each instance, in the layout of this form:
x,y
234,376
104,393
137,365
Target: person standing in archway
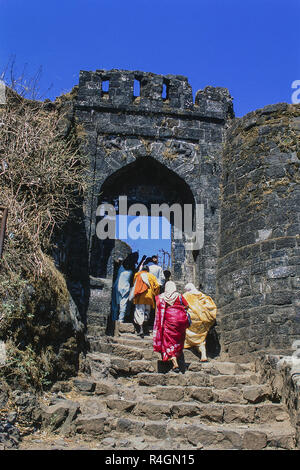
x,y
121,287
167,275
145,288
157,270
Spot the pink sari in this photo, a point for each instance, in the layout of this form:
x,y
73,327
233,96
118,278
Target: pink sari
x,y
170,324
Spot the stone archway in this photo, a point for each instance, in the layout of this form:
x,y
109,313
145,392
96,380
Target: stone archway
x,y
146,181
182,135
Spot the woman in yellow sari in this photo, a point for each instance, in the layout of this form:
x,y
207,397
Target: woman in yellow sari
x,y
203,311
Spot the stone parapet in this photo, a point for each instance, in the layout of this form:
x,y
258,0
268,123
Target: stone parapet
x,y
165,94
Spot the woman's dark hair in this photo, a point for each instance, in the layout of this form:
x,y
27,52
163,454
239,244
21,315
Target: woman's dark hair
x,y
130,261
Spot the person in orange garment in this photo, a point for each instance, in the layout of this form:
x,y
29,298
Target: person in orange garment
x,y
145,288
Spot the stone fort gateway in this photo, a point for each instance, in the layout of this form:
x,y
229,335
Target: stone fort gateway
x,y
160,145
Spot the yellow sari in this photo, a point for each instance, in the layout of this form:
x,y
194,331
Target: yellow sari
x,y
203,311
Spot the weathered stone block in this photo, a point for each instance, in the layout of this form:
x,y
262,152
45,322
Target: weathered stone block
x,y
129,426
254,440
91,424
104,389
256,393
169,393
120,405
61,414
158,430
84,385
238,414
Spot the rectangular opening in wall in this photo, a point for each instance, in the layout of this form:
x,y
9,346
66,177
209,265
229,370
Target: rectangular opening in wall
x,y
105,88
137,88
164,92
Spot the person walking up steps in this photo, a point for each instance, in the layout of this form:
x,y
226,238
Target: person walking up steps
x,y
121,287
145,288
171,322
157,270
203,311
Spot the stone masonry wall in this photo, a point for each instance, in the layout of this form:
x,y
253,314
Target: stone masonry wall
x,y
258,268
283,375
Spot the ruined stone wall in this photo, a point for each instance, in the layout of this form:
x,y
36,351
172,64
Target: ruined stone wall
x,y
283,375
258,267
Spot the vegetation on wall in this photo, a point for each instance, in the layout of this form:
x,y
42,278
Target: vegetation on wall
x,y
43,177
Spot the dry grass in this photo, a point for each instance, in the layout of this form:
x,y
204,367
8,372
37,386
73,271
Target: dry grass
x,y
44,174
43,180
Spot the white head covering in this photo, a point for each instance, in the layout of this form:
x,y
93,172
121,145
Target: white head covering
x,y
191,288
170,294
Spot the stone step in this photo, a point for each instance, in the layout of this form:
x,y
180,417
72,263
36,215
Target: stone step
x,y
218,437
233,395
138,353
130,353
88,386
124,328
170,434
184,423
96,331
205,394
189,354
197,379
157,410
119,366
140,349
131,340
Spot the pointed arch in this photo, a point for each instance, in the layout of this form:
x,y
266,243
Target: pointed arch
x,y
146,181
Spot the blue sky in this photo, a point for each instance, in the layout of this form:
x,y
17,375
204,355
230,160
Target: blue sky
x,y
251,47
151,241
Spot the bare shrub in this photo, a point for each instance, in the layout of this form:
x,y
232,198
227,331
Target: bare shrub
x,y
43,178
24,82
44,175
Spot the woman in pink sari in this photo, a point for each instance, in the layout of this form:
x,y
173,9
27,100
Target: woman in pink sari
x,y
171,322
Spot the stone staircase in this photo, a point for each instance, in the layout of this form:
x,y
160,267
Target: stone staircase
x,y
132,400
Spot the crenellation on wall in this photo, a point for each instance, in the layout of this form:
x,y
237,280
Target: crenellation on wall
x,y
210,103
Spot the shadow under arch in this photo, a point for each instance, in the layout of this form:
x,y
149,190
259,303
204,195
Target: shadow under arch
x,y
146,181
